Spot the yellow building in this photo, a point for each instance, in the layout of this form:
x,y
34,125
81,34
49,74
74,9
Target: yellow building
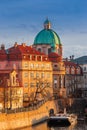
x,y
34,71
11,93
39,67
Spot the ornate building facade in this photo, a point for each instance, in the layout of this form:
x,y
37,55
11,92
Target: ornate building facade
x,y
73,78
48,42
34,71
11,90
82,62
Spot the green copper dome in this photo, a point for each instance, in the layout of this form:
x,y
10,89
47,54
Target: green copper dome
x,y
47,36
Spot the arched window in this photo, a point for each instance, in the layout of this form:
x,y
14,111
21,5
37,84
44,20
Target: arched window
x,y
49,50
72,70
67,70
39,49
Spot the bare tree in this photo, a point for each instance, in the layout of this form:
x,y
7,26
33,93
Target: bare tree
x,y
42,91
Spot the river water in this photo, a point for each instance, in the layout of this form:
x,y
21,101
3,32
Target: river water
x,y
43,126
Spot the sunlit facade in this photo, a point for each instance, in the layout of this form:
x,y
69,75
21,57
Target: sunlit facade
x,y
48,42
11,91
34,70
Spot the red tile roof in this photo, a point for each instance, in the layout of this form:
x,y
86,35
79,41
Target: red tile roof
x,y
71,65
23,49
3,55
54,57
19,52
53,54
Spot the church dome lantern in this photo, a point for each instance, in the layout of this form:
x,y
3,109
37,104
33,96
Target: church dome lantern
x,y
47,24
47,37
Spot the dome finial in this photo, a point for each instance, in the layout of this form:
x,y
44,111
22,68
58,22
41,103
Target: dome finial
x,y
47,24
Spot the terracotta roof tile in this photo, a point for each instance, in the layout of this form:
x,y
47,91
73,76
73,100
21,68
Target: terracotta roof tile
x,y
20,52
54,57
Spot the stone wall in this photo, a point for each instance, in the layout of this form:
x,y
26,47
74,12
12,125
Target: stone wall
x,y
24,119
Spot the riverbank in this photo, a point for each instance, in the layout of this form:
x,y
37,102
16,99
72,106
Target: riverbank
x,y
24,119
21,118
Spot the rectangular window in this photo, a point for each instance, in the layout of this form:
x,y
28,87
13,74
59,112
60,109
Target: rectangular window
x,y
67,70
42,66
37,84
48,75
84,76
72,70
26,98
25,84
26,74
42,84
84,68
31,66
55,81
31,84
42,75
37,74
55,85
26,65
48,66
32,75
37,65
78,70
48,84
25,94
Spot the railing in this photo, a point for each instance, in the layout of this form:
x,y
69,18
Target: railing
x,y
33,106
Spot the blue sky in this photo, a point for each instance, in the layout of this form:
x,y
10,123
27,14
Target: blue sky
x,y
21,20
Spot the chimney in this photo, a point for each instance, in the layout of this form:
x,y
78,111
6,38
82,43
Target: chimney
x,y
16,44
72,57
23,44
2,47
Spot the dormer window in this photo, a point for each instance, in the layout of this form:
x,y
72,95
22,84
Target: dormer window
x,y
39,58
45,58
29,56
24,56
33,57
